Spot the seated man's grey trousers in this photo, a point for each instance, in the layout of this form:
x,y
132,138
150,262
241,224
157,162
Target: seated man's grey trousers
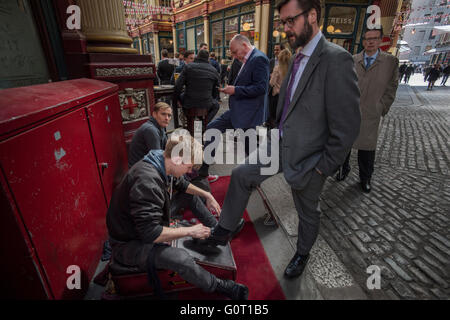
x,y
134,254
246,177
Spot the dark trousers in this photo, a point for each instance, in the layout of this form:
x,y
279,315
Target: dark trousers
x,y
246,177
182,200
366,161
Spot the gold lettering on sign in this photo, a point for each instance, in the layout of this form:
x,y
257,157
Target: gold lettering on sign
x,y
228,2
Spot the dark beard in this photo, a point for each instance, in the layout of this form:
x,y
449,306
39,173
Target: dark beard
x,y
302,39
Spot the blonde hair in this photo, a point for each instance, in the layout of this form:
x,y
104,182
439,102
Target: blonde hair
x,y
182,144
283,62
161,106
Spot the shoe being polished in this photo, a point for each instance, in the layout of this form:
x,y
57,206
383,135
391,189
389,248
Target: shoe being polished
x,y
365,186
238,228
232,290
342,173
296,266
218,237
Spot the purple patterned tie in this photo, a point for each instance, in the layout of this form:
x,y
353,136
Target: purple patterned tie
x,y
287,98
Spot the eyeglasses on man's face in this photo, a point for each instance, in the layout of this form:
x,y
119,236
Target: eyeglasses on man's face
x,y
291,20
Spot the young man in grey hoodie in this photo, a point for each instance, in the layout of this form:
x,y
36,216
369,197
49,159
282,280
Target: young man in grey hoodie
x,y
139,215
152,136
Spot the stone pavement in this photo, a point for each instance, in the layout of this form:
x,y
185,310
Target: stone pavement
x,y
402,226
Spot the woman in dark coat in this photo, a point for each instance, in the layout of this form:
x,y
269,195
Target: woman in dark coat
x,y
432,76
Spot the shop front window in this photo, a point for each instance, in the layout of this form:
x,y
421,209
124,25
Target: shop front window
x,y
278,34
248,26
145,45
227,23
148,46
190,38
180,37
341,20
166,43
231,29
200,35
217,37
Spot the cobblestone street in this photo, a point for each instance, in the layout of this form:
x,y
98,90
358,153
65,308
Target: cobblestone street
x,y
402,226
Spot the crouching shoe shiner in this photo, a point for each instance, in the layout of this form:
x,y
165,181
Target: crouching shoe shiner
x,y
139,215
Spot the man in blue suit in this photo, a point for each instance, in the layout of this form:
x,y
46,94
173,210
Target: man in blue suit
x,y
247,93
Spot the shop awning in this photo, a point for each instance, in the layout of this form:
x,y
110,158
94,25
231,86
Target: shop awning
x,y
431,51
441,29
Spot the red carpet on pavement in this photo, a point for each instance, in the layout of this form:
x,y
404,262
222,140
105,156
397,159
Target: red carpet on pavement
x,y
253,266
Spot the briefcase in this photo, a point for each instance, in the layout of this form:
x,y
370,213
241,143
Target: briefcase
x,y
129,283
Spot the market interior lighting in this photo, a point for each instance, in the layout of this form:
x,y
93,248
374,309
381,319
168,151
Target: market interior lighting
x,y
246,26
330,29
276,34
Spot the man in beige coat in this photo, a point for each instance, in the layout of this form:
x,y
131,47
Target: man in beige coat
x,y
378,81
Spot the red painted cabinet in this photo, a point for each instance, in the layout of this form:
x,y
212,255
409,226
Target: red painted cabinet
x,y
60,160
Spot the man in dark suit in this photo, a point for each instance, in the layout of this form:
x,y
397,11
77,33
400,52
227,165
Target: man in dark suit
x,y
247,94
318,119
249,89
165,68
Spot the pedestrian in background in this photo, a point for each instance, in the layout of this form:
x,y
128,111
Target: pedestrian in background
x,y
189,57
401,71
277,48
426,72
165,68
213,62
432,76
408,72
223,72
378,81
445,74
234,70
276,79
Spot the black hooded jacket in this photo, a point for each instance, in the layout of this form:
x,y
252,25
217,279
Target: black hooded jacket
x,y
201,81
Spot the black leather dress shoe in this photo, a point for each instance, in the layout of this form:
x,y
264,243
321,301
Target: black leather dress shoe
x,y
365,186
342,173
232,290
218,237
238,228
296,266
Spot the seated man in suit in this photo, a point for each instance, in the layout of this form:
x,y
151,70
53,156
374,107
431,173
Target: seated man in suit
x,y
152,136
138,219
201,82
